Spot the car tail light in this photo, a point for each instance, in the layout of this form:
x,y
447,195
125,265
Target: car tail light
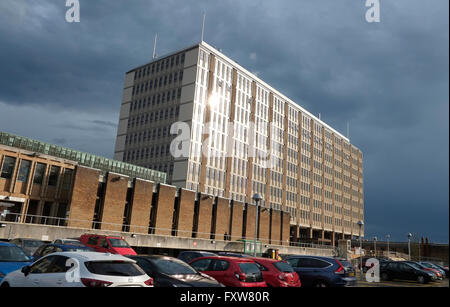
x,y
341,269
240,276
149,282
95,282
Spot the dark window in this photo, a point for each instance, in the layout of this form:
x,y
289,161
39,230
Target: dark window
x,y
220,265
67,179
39,173
92,240
24,170
42,265
201,265
283,266
54,174
8,167
249,268
114,268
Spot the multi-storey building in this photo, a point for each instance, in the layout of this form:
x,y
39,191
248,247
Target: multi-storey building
x,y
273,147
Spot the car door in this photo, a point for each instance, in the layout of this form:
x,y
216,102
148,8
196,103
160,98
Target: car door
x,y
37,272
305,270
55,275
219,270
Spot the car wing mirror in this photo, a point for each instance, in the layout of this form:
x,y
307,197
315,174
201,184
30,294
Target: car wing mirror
x,y
25,270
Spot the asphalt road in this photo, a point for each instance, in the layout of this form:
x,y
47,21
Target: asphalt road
x,y
403,283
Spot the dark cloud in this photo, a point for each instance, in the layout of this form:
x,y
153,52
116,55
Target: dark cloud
x,y
388,79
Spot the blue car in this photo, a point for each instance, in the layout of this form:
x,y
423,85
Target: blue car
x,y
315,271
12,258
53,248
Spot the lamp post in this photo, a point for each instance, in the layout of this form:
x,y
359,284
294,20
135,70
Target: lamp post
x,y
387,239
375,245
409,246
360,224
257,198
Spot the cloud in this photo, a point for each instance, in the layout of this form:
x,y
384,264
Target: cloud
x,y
388,79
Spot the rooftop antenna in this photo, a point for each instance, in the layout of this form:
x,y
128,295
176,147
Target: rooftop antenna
x,y
348,130
319,115
203,26
154,46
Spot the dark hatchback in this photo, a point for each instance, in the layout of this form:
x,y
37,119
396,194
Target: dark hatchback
x,y
404,270
315,271
172,272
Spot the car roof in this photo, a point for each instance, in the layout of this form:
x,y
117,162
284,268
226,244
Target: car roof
x,y
265,259
229,258
101,236
92,256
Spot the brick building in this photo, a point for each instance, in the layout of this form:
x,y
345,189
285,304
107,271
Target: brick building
x,y
48,184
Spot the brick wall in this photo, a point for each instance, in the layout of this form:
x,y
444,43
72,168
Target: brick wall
x,y
286,228
264,225
204,216
276,228
84,195
250,222
222,218
142,202
236,220
186,215
114,204
164,215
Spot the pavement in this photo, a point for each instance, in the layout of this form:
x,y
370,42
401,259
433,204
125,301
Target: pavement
x,y
403,283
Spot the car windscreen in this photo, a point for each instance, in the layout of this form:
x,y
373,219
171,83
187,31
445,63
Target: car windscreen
x,y
283,267
416,266
118,243
32,243
248,268
172,266
114,268
12,254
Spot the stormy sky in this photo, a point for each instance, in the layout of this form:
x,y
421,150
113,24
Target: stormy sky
x,y
62,82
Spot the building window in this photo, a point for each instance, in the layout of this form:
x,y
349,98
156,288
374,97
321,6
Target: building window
x,y
39,173
24,170
8,167
54,174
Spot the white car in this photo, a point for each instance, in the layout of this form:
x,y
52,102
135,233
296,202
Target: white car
x,y
79,269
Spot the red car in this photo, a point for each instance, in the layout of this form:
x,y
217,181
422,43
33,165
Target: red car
x,y
231,271
107,244
277,273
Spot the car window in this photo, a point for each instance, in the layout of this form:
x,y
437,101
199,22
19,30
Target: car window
x,y
145,265
260,266
220,265
118,243
317,263
404,267
283,267
248,268
293,262
103,243
58,242
201,265
48,250
12,254
92,240
59,265
114,268
172,266
188,256
32,243
42,265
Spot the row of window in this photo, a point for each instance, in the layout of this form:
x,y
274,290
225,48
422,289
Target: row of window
x,y
162,81
144,119
9,165
155,99
161,65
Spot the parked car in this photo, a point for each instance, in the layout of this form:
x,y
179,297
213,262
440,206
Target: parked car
x,y
93,270
231,271
188,256
445,268
437,273
315,271
29,246
54,248
433,266
68,241
277,273
12,258
405,271
172,272
107,244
